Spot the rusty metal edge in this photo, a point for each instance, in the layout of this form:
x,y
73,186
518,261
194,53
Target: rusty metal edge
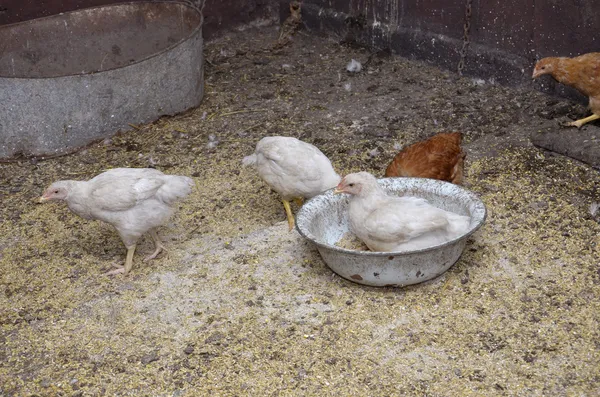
x,y
155,54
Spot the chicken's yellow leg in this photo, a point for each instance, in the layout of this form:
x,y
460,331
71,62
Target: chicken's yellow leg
x,y
288,211
580,122
157,243
128,263
129,259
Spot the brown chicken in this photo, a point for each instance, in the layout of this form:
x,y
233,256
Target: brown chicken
x,y
582,73
439,157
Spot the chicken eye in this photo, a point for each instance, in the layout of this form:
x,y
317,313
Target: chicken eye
x,y
56,191
351,184
543,67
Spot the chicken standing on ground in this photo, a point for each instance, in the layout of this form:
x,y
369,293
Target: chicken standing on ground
x,y
581,73
389,223
292,168
439,157
133,200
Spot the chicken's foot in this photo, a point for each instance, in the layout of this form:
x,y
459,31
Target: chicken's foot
x,y
128,263
299,201
580,122
288,211
157,243
118,263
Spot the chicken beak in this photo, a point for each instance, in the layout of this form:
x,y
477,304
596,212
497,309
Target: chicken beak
x,y
339,189
535,74
42,200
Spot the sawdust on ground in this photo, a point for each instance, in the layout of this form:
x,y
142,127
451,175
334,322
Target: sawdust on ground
x,y
517,315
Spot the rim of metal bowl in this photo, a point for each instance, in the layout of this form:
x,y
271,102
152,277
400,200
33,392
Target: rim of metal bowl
x,y
121,3
480,215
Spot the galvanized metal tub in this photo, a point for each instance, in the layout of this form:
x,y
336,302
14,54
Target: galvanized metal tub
x,y
69,79
323,220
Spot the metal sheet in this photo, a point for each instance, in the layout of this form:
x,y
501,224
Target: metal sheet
x,y
70,79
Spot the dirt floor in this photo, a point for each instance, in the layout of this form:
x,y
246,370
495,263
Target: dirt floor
x,y
239,306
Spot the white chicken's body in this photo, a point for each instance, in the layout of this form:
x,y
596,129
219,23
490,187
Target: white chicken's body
x,y
292,168
389,223
133,200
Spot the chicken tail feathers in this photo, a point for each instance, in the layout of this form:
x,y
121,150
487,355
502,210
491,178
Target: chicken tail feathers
x,y
175,188
459,224
249,160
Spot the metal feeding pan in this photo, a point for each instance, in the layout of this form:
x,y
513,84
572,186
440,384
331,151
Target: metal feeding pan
x,y
69,79
324,221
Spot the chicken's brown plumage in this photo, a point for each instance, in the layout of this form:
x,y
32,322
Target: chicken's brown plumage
x,y
439,157
581,73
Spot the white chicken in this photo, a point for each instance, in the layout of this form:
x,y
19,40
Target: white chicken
x,y
390,223
292,168
133,200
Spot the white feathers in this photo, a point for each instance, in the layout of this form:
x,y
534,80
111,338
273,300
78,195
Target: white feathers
x,y
249,160
212,141
354,66
174,188
390,223
594,208
133,200
291,167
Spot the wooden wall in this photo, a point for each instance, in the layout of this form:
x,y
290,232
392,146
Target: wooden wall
x,y
219,14
506,36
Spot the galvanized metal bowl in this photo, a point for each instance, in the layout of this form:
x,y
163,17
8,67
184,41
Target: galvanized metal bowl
x,y
324,221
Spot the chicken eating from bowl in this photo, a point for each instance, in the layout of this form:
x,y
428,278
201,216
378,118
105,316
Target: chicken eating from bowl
x,y
389,223
133,200
439,157
294,169
581,73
